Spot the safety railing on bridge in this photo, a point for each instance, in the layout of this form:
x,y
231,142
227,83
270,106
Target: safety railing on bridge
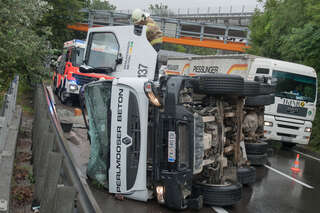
x,y
219,36
232,10
60,186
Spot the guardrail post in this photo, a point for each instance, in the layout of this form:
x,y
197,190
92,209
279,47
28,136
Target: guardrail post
x,y
64,199
226,35
178,30
51,182
201,33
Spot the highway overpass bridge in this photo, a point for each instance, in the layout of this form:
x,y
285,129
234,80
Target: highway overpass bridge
x,y
177,30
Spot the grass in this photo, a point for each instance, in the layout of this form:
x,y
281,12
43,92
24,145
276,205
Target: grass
x,y
25,97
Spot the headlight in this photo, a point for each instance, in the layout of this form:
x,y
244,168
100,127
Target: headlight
x,y
73,87
307,129
160,193
152,98
268,123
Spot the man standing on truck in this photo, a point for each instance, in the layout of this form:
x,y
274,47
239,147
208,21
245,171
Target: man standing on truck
x,y
154,34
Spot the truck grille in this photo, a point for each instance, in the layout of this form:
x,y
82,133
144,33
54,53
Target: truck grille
x,y
288,127
286,135
134,131
83,79
290,110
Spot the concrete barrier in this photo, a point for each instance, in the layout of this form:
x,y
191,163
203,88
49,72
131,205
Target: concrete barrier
x,y
10,119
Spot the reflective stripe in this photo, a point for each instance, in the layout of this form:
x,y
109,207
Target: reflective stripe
x,y
156,41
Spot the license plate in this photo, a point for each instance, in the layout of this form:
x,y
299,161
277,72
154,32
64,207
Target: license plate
x,y
171,146
285,138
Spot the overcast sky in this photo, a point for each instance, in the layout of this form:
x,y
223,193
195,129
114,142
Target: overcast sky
x,y
174,4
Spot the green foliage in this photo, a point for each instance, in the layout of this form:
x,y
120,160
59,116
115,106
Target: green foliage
x,y
22,50
289,30
160,10
59,14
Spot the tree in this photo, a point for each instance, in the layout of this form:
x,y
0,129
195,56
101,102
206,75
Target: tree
x,y
160,10
100,5
22,50
58,16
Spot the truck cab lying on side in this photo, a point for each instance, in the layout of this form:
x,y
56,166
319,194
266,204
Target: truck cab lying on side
x,y
178,139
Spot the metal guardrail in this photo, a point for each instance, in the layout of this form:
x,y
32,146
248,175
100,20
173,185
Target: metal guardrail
x,y
60,186
233,11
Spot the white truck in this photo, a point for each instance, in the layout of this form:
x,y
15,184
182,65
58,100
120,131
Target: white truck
x,y
289,118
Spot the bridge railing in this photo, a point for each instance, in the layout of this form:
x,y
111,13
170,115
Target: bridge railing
x,y
60,186
173,27
232,10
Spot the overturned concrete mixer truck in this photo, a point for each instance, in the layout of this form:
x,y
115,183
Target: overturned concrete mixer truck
x,y
175,138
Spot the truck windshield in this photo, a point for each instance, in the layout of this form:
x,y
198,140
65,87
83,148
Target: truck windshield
x,y
295,86
79,56
97,99
103,50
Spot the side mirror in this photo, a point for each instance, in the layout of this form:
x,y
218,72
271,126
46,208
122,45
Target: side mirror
x,y
119,59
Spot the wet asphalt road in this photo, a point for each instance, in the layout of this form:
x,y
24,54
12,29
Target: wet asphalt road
x,y
272,192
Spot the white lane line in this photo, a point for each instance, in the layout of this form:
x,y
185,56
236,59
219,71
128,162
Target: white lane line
x,y
291,178
219,209
309,156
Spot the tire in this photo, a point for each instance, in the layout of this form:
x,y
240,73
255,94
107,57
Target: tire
x,y
250,88
258,160
219,195
246,175
258,148
260,100
62,98
265,89
219,84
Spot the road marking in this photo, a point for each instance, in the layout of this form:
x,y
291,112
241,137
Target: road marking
x,y
309,156
291,178
219,210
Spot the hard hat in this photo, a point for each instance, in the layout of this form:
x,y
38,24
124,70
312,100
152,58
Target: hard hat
x,y
137,16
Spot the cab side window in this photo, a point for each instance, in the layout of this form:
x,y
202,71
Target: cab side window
x,y
103,50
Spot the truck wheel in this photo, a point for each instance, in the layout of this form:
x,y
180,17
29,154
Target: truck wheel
x,y
219,195
250,88
246,175
265,89
219,84
258,160
258,148
260,100
63,99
